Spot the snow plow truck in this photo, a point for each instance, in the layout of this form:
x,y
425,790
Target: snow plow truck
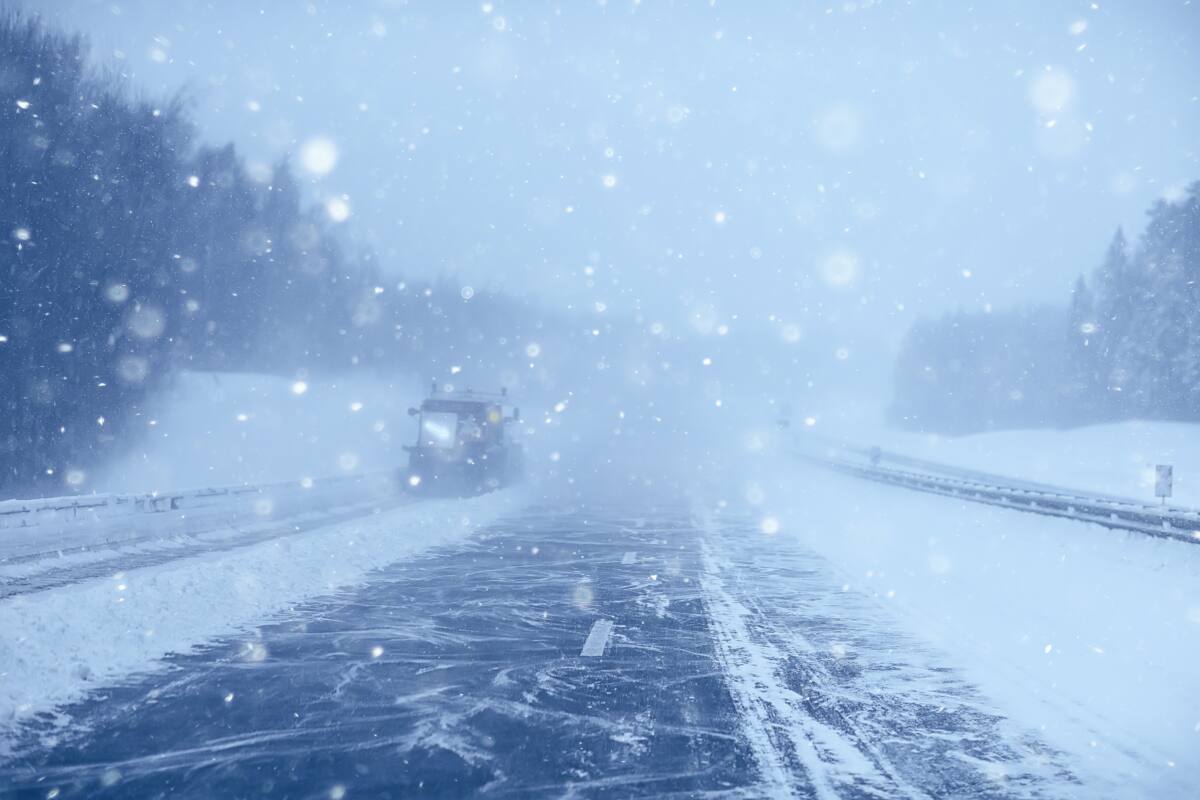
x,y
464,446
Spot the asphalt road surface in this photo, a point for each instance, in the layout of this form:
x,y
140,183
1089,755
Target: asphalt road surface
x,y
568,652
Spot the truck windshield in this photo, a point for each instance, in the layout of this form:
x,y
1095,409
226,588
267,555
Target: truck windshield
x,y
438,429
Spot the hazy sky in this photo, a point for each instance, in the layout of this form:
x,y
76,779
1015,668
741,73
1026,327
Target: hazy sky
x,y
831,163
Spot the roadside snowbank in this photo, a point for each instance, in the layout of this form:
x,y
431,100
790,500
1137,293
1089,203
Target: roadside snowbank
x,y
57,645
1116,459
1088,634
60,525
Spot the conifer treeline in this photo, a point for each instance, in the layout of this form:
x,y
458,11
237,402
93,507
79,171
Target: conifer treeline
x,y
1127,345
127,250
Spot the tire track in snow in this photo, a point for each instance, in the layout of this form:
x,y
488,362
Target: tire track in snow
x,y
794,645
789,744
888,729
744,673
786,741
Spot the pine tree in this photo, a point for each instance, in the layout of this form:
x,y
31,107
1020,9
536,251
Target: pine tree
x,y
1172,244
1083,387
1113,282
1187,364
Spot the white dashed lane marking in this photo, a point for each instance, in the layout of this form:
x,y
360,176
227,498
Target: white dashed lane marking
x,y
597,638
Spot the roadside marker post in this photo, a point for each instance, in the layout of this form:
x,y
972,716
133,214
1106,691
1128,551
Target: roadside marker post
x,y
1163,479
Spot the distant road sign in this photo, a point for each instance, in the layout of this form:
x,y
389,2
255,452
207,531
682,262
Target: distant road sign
x,y
1163,478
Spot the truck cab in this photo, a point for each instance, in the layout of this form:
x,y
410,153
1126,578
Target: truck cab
x,y
464,444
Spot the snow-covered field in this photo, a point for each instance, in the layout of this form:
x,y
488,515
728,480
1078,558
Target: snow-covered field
x,y
61,643
1087,634
215,428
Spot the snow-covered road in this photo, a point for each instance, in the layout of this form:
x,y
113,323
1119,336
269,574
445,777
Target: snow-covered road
x,y
71,628
641,650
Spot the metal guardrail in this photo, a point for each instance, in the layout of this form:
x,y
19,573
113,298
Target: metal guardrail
x,y
15,514
1165,522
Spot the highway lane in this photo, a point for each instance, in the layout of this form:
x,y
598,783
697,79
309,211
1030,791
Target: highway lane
x,y
572,651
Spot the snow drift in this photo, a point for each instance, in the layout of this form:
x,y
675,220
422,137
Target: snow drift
x,y
1086,633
